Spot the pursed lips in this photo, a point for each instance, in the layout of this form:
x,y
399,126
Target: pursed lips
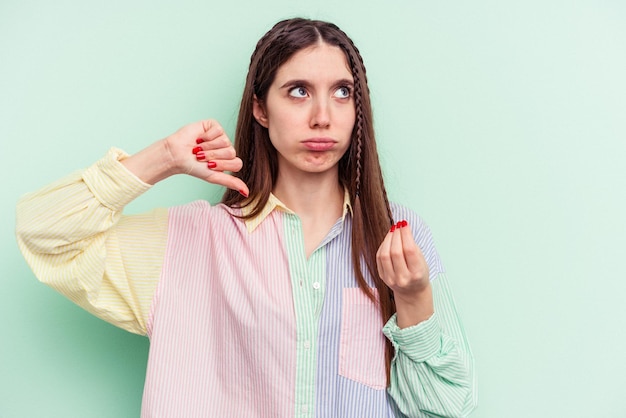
x,y
319,144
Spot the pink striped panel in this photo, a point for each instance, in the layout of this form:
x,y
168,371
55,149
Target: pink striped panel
x,y
362,342
222,332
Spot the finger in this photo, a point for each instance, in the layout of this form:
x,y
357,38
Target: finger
x,y
218,142
397,252
213,132
227,180
213,155
383,259
413,254
207,124
233,165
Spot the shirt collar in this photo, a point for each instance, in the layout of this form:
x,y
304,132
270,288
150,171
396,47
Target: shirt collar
x,y
273,203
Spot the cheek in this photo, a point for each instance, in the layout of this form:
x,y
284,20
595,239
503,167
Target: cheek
x,y
352,123
350,118
282,121
278,130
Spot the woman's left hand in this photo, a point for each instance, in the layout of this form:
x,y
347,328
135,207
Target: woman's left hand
x,y
402,266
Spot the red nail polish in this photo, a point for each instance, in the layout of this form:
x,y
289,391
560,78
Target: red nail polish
x,y
393,228
200,156
199,141
196,150
243,193
212,164
403,223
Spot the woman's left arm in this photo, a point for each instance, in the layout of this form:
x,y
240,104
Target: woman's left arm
x,y
432,372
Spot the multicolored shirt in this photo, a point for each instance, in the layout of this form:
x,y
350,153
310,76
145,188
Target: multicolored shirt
x,y
241,323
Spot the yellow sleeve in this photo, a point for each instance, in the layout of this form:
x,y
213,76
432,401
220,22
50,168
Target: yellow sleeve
x,y
74,237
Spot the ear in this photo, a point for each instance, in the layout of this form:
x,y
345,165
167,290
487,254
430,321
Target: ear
x,y
259,112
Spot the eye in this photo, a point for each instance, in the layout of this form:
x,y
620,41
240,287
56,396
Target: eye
x,y
343,92
298,92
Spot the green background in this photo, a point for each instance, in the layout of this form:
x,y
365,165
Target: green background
x,y
502,123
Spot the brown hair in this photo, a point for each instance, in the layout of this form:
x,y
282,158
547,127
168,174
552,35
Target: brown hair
x,y
359,168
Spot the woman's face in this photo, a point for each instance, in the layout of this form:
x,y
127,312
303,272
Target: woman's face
x,y
309,110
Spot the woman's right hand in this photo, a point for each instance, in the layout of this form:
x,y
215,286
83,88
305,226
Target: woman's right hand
x,y
201,149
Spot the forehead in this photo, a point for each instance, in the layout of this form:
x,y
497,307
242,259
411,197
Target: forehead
x,y
317,62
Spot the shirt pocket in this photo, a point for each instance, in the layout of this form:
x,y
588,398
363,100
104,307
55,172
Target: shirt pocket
x,y
362,342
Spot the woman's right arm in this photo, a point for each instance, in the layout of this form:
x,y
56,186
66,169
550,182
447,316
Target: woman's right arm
x,y
75,238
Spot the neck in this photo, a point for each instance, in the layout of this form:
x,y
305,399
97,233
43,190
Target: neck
x,y
317,199
311,195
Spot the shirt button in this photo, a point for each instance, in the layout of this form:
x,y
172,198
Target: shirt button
x,y
307,344
316,285
305,408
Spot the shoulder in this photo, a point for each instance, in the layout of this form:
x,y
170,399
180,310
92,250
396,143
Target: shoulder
x,y
202,205
202,211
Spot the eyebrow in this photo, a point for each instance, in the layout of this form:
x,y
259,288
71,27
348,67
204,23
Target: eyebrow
x,y
306,83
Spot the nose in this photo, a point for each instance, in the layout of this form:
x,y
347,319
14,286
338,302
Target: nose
x,y
320,113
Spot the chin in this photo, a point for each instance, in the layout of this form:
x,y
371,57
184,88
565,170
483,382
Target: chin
x,y
320,163
319,168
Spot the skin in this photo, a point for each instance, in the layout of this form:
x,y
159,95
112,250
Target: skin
x,y
309,113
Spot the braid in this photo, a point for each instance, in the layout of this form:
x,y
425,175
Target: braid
x,y
359,132
355,58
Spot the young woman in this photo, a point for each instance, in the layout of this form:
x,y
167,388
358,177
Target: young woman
x,y
304,293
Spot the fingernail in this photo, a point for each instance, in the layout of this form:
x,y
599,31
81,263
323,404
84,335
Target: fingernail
x,y
199,141
200,155
403,223
211,164
243,193
196,150
393,228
